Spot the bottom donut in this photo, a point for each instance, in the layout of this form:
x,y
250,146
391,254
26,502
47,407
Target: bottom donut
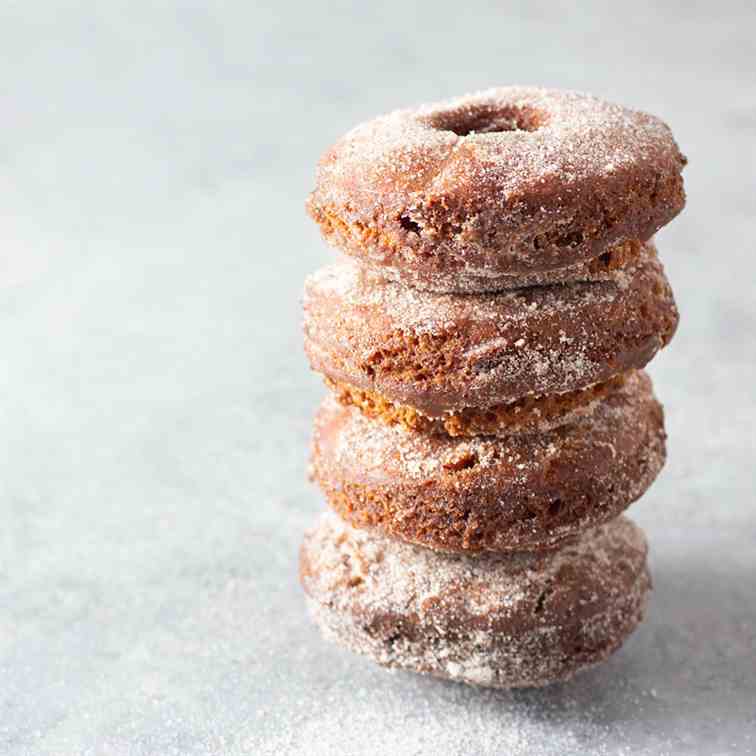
x,y
505,621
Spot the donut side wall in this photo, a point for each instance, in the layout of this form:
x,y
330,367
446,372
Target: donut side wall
x,y
527,415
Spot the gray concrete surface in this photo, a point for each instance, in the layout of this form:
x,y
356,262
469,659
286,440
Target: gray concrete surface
x,y
155,404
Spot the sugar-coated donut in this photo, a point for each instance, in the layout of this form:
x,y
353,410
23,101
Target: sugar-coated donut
x,y
490,620
444,355
498,189
524,492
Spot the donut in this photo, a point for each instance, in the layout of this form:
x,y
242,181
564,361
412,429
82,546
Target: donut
x,y
488,493
498,189
464,359
488,620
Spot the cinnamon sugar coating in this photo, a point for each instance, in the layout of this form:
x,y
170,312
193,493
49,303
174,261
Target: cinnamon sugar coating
x,y
472,193
523,492
489,620
528,415
442,353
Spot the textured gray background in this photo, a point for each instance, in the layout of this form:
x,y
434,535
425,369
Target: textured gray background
x,y
154,401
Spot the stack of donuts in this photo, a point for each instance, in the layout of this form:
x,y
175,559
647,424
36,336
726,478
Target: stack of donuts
x,y
483,336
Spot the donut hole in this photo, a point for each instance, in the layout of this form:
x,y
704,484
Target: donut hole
x,y
488,119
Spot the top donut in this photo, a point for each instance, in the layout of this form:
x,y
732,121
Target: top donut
x,y
503,188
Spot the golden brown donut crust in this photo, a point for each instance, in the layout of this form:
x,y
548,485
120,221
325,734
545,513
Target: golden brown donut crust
x,y
527,415
442,353
490,620
471,193
523,492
